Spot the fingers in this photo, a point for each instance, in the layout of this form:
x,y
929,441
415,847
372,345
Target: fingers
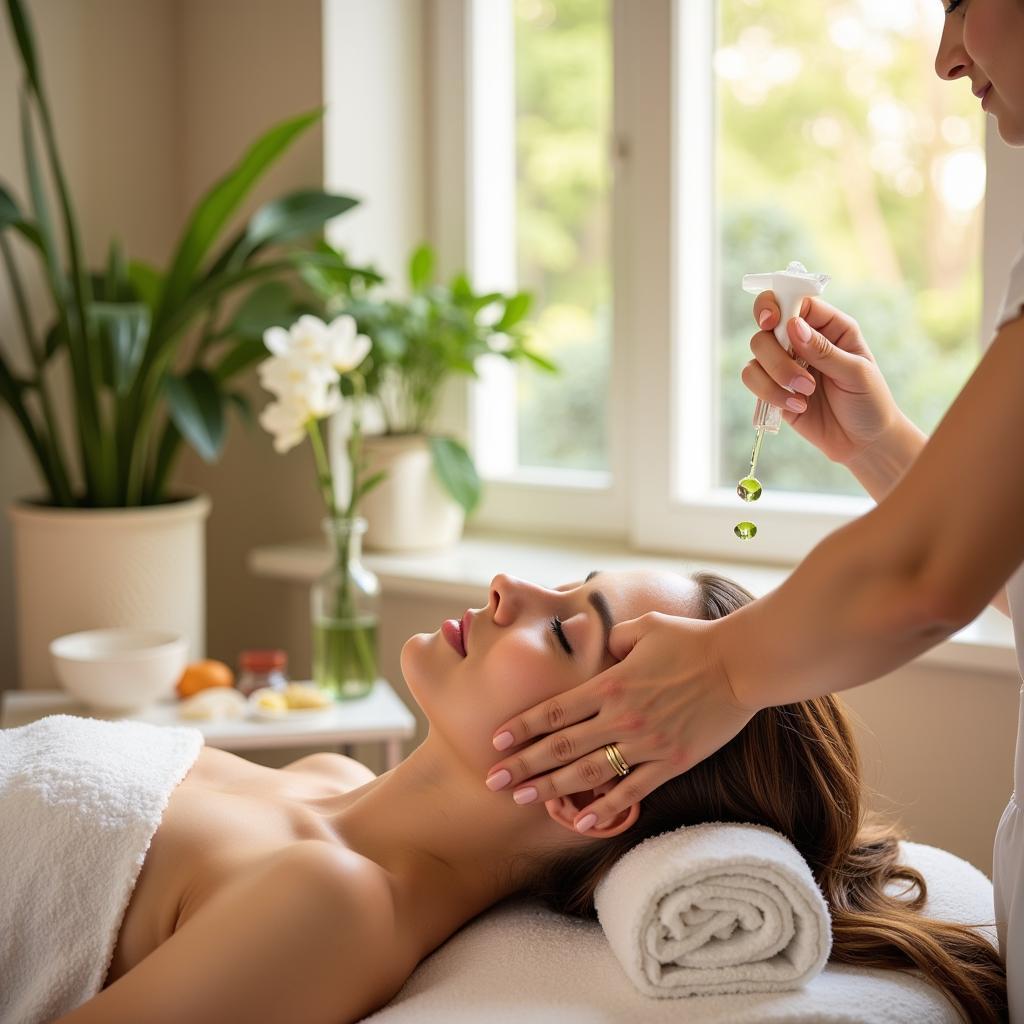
x,y
766,311
630,789
586,773
840,365
561,748
839,328
780,374
549,716
622,639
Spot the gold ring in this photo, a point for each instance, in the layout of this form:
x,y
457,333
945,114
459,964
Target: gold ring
x,y
616,760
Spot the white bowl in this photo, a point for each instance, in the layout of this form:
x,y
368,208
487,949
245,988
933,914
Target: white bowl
x,y
119,669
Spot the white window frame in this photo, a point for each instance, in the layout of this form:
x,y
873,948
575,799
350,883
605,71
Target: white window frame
x,y
656,495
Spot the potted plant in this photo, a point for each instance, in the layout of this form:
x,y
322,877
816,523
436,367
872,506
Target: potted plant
x,y
109,543
418,343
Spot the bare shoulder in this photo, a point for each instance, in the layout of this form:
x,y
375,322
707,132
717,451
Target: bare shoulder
x,y
310,935
334,767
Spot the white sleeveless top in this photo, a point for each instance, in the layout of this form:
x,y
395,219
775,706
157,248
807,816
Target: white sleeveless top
x,y
1008,854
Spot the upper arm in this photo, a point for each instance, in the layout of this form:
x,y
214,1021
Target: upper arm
x,y
954,516
308,937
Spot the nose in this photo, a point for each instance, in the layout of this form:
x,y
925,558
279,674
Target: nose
x,y
952,60
507,597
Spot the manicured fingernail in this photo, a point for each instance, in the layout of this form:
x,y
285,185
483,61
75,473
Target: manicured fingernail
x,y
766,315
588,822
503,740
499,780
525,796
796,404
802,384
803,331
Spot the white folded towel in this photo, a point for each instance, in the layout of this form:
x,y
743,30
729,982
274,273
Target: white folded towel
x,y
715,909
80,800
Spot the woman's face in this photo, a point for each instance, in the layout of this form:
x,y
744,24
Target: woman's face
x,y
527,644
984,40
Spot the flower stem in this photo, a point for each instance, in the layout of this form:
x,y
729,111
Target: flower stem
x,y
323,468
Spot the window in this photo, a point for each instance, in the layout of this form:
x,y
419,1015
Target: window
x,y
542,123
726,136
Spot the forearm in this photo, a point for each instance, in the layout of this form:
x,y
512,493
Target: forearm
x,y
879,467
842,618
921,564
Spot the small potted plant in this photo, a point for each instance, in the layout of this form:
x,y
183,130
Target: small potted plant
x,y
419,342
153,358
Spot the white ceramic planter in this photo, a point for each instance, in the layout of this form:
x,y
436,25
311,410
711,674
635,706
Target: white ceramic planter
x,y
410,510
77,569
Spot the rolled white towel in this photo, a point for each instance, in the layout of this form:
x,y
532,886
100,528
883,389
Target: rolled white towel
x,y
715,909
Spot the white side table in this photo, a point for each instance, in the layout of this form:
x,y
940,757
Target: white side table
x,y
379,717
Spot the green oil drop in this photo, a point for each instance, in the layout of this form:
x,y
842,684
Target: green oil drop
x,y
749,488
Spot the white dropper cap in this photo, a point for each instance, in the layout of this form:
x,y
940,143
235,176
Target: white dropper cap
x,y
791,286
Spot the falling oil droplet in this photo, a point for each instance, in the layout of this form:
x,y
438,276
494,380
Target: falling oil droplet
x,y
745,531
749,488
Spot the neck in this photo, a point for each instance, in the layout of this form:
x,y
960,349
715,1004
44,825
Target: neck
x,y
449,845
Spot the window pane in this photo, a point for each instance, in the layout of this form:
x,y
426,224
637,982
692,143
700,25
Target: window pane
x,y
563,123
838,146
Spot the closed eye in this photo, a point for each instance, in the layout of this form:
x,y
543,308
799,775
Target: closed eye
x,y
953,5
556,628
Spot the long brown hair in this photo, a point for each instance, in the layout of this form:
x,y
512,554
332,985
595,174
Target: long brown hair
x,y
795,769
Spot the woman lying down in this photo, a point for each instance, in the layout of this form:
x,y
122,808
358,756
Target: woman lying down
x,y
310,893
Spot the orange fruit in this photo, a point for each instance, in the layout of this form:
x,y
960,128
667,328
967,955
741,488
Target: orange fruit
x,y
200,675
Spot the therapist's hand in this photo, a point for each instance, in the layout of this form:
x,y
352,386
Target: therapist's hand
x,y
848,405
667,704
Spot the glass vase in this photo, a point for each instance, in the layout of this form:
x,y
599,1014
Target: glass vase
x,y
345,603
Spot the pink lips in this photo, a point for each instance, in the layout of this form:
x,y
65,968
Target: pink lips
x,y
456,632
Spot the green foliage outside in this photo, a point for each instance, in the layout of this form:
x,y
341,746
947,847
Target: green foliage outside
x,y
563,100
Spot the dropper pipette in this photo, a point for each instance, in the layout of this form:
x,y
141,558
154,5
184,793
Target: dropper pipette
x,y
791,286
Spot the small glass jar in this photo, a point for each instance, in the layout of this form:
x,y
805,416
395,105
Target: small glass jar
x,y
260,668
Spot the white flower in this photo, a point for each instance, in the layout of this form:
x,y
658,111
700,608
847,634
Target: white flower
x,y
288,376
286,420
346,348
335,345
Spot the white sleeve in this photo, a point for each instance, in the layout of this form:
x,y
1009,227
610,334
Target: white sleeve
x,y
1013,305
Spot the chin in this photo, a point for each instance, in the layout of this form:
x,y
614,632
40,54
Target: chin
x,y
1011,130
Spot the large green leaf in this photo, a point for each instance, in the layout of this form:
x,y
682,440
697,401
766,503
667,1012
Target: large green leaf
x,y
41,208
26,45
146,282
293,216
456,471
269,305
197,410
221,202
124,327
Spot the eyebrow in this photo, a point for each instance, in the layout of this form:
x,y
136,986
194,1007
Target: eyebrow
x,y
600,604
